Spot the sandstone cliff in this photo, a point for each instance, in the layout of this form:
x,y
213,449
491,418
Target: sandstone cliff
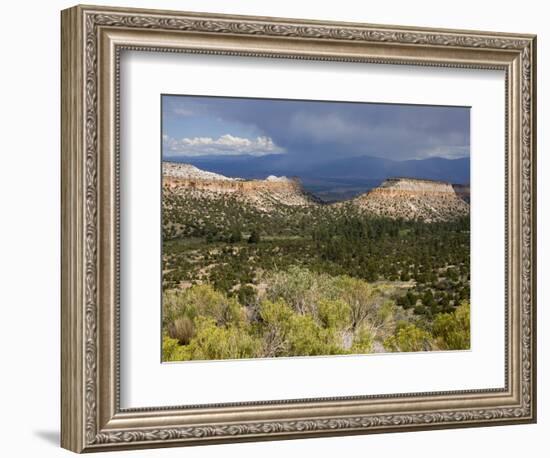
x,y
263,194
411,198
407,198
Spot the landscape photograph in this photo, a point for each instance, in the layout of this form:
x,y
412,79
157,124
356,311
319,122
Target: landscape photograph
x,y
300,228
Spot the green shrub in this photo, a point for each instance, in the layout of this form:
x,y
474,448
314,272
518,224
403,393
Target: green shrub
x,y
304,290
363,340
452,330
275,318
298,287
409,337
360,296
216,342
307,338
172,350
334,313
288,333
246,295
201,300
386,313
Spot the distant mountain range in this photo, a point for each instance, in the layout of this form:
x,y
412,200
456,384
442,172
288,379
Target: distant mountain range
x,y
337,178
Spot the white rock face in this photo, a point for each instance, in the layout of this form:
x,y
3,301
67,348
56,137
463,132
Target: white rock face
x,y
176,170
412,198
416,185
191,182
276,178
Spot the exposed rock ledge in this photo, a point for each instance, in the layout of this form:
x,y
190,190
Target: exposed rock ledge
x,y
412,198
188,171
185,178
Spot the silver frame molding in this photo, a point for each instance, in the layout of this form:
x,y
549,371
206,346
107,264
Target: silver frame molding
x,y
92,40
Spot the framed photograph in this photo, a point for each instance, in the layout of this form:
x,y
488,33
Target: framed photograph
x,y
279,228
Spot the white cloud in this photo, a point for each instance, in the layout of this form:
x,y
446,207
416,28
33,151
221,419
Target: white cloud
x,y
227,144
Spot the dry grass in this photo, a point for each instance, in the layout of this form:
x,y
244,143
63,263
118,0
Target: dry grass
x,y
182,329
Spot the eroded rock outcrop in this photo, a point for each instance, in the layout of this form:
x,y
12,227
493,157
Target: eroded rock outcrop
x,y
412,198
263,194
407,198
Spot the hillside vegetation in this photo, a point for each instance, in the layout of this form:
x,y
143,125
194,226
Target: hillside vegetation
x,y
240,281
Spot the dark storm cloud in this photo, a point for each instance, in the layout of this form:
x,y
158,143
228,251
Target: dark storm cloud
x,y
323,129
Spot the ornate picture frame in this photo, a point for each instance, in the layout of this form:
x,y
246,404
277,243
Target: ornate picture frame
x,y
92,41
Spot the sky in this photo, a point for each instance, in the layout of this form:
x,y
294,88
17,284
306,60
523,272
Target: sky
x,y
194,126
